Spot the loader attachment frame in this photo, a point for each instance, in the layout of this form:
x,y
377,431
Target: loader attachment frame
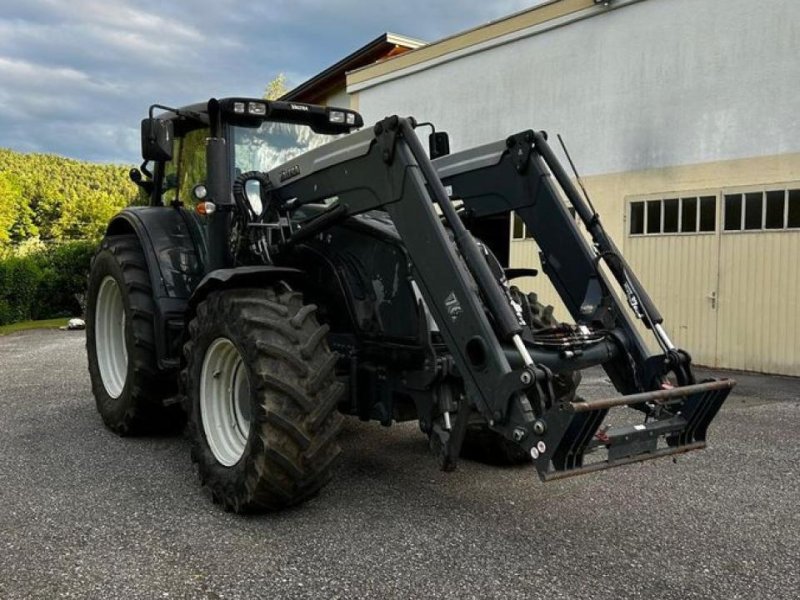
x,y
516,175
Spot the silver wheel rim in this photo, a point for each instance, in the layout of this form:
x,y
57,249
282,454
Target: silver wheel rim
x,y
225,401
112,352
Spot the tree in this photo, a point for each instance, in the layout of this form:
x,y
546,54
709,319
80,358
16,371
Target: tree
x,y
58,198
16,216
276,88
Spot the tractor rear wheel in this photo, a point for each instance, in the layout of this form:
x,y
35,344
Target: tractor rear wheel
x,y
483,444
120,341
262,397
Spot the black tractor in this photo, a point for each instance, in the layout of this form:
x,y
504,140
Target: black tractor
x,y
293,266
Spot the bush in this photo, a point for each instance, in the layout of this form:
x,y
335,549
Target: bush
x,y
44,284
20,277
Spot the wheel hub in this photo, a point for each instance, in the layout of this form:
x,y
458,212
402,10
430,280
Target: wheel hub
x,y
112,352
225,401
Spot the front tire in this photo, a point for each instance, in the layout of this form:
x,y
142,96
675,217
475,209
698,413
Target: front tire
x,y
263,398
128,388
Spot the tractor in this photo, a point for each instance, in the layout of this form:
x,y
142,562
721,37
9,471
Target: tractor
x,y
293,267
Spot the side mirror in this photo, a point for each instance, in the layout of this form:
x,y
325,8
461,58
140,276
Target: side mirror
x,y
156,139
438,144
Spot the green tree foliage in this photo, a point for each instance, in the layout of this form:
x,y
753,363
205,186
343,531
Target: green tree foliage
x,y
58,198
276,88
52,212
20,277
16,216
45,283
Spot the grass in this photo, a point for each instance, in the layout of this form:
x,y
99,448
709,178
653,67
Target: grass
x,y
25,325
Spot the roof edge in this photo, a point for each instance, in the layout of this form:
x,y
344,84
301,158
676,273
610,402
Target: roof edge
x,y
386,38
525,19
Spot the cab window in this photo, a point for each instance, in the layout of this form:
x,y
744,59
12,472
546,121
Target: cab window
x,y
191,164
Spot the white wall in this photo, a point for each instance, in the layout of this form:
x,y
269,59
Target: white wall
x,y
651,84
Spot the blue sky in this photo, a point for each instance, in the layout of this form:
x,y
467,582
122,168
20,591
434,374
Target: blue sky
x,y
76,77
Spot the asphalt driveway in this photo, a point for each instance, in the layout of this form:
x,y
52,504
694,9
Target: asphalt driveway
x,y
86,514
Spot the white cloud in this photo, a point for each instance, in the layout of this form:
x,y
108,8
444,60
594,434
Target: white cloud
x,y
85,71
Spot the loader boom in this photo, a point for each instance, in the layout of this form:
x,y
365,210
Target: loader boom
x,y
386,167
507,377
515,175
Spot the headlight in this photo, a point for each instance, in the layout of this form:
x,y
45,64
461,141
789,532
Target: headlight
x,y
256,108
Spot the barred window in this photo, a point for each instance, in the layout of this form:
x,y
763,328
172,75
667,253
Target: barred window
x,y
692,214
762,210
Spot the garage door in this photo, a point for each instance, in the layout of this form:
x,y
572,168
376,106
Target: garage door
x,y
723,267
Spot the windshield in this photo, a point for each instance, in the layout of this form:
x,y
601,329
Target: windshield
x,y
272,144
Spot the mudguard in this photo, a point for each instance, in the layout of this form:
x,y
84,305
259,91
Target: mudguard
x,y
174,248
173,244
251,276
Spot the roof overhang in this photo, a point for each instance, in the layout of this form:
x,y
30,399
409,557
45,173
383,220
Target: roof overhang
x,y
532,21
384,45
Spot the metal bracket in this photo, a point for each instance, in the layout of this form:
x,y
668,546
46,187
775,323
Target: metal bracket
x,y
679,362
446,443
545,395
520,146
386,132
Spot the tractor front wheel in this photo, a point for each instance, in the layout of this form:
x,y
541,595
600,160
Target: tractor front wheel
x,y
263,398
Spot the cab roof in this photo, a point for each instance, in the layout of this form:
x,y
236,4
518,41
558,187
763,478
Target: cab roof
x,y
251,112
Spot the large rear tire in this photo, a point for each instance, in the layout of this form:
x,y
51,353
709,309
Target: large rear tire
x,y
483,444
120,342
262,398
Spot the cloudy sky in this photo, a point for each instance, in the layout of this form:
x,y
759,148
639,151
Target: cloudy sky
x,y
76,77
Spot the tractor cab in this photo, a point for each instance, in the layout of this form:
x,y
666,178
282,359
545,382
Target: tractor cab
x,y
257,135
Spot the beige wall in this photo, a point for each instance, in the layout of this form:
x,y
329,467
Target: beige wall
x,y
755,321
338,98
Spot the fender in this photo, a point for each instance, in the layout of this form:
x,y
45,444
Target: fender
x,y
174,249
173,243
238,277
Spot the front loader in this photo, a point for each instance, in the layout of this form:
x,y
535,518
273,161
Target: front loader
x,y
291,268
521,174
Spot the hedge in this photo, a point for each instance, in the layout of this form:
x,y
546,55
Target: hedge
x,y
45,283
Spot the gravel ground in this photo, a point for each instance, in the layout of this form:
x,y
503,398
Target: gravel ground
x,y
87,514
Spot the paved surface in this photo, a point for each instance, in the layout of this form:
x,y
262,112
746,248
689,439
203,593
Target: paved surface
x,y
86,514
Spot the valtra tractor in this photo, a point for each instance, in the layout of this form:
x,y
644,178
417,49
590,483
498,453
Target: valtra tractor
x,y
293,266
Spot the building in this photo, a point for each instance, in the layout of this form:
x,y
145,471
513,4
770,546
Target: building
x,y
329,86
682,117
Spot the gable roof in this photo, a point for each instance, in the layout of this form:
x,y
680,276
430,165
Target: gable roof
x,y
384,46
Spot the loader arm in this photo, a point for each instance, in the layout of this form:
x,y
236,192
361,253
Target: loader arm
x,y
515,175
508,380
385,167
